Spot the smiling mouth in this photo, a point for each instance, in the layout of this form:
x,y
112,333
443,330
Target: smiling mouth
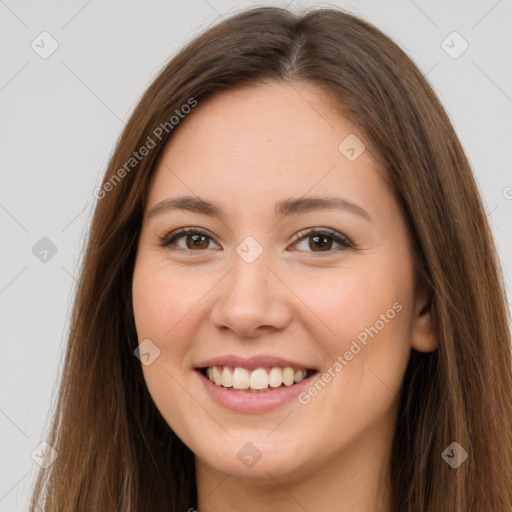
x,y
259,380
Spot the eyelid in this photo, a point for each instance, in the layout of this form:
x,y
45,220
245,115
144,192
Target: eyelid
x,y
326,231
344,241
166,240
338,237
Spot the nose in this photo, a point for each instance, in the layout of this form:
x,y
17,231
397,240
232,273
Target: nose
x,y
251,300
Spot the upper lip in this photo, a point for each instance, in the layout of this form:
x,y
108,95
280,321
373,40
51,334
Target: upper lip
x,y
251,363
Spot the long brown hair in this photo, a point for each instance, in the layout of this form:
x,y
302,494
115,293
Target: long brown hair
x,y
116,452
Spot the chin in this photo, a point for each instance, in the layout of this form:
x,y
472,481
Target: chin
x,y
259,459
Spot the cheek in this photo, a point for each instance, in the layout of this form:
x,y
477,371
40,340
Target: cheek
x,y
163,305
354,303
362,320
161,299
160,308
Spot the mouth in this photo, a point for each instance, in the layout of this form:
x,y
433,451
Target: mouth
x,y
259,380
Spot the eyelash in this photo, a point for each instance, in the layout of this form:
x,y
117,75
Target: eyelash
x,y
302,235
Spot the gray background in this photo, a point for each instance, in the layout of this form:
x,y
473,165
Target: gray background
x,y
62,115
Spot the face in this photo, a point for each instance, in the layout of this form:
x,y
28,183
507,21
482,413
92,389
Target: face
x,y
268,278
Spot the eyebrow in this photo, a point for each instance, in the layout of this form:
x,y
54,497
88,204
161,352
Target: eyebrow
x,y
284,208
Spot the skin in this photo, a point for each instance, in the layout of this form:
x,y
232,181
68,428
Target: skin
x,y
246,149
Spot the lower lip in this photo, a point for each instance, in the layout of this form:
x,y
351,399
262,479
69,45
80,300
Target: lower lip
x,y
254,402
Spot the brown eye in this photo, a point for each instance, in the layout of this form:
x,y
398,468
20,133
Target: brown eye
x,y
322,240
195,239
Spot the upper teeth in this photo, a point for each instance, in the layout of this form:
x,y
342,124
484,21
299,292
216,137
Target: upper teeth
x,y
241,378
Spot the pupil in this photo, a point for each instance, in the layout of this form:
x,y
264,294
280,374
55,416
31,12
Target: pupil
x,y
196,242
317,238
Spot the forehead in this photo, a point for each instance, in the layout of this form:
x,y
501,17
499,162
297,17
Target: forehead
x,y
273,140
269,116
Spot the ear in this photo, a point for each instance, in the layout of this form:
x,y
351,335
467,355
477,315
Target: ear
x,y
423,335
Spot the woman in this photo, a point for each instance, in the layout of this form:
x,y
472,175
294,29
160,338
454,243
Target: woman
x,y
217,361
